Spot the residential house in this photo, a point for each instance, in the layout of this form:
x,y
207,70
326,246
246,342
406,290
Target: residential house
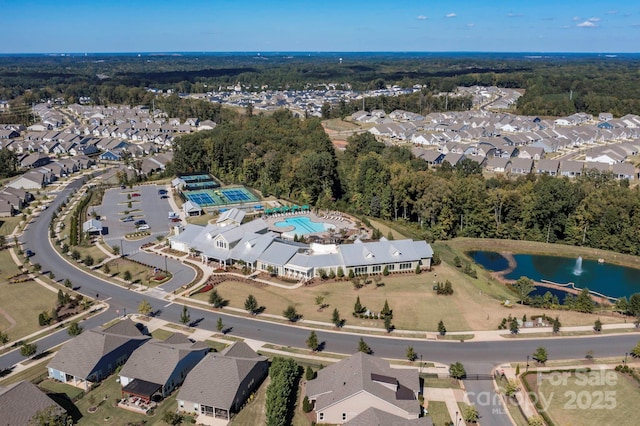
x,y
36,159
624,171
346,389
548,167
109,155
95,354
220,384
6,207
532,152
453,158
498,164
374,416
158,367
21,401
571,168
30,180
432,158
521,166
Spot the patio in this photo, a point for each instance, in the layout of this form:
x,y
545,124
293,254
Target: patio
x,y
136,404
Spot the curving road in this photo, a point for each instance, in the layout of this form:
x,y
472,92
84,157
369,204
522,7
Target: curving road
x,y
478,357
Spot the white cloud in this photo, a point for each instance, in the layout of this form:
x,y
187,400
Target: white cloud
x,y
422,17
450,15
514,15
586,24
594,19
576,18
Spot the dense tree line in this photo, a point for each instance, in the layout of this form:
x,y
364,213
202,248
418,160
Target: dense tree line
x,y
281,392
289,158
554,85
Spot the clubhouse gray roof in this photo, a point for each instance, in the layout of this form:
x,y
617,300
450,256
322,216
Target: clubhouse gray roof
x,y
306,261
19,402
156,360
81,354
278,253
216,379
384,251
251,246
233,214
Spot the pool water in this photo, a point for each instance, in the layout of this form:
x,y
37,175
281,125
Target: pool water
x,y
303,226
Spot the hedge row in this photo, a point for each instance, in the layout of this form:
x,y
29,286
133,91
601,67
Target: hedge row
x,y
281,392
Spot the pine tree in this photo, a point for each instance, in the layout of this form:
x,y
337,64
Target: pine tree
x,y
441,328
335,318
219,325
185,317
411,354
251,304
387,324
312,341
363,347
215,299
358,308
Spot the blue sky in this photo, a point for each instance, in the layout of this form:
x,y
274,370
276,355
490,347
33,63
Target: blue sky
x,y
64,26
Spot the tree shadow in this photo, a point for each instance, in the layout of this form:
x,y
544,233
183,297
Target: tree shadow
x,y
6,371
63,400
155,313
260,310
227,330
321,346
195,323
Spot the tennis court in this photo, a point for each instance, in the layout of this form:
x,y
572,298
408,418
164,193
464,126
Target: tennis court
x,y
237,195
209,197
196,178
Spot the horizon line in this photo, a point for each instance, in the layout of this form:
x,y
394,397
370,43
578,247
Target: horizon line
x,y
259,52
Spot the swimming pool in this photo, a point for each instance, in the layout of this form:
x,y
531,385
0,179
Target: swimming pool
x,y
303,226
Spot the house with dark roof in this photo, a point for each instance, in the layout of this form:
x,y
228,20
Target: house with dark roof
x,y
219,385
95,354
345,390
20,402
374,416
156,368
548,167
521,166
571,168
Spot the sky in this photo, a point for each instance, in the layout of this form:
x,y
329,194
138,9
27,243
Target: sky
x,y
77,26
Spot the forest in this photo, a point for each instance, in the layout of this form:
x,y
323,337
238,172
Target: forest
x,y
283,156
554,85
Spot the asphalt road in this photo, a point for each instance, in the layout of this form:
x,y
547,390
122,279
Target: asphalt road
x,y
478,357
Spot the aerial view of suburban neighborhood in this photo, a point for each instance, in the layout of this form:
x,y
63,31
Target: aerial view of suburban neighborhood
x,y
300,220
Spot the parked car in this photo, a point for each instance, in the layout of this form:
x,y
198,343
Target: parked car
x,y
135,194
28,253
128,219
140,222
162,191
176,219
143,227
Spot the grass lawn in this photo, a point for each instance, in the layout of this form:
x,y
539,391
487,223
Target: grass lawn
x,y
385,229
433,382
595,398
199,220
161,334
52,386
139,273
8,224
410,296
108,414
20,304
438,413
32,374
8,268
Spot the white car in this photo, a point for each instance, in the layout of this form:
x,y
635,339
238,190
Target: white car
x,y
144,227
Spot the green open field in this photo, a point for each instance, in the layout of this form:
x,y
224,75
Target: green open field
x,y
475,304
599,397
438,413
7,224
20,304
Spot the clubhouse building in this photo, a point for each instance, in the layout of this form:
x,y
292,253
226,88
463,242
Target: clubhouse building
x,y
252,244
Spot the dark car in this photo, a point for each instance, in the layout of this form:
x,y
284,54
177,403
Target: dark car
x,y
28,253
128,219
176,219
162,191
140,222
135,194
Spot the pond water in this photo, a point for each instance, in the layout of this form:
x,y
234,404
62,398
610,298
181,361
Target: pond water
x,y
610,280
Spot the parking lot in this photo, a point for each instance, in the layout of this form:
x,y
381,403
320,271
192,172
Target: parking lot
x,y
151,206
148,206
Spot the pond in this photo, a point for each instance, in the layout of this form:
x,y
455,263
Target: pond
x,y
610,280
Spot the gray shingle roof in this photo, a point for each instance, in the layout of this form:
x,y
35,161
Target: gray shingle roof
x,y
384,251
81,354
353,375
374,417
156,360
20,401
216,379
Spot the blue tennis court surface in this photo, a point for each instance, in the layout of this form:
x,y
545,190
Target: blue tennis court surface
x,y
201,198
237,195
